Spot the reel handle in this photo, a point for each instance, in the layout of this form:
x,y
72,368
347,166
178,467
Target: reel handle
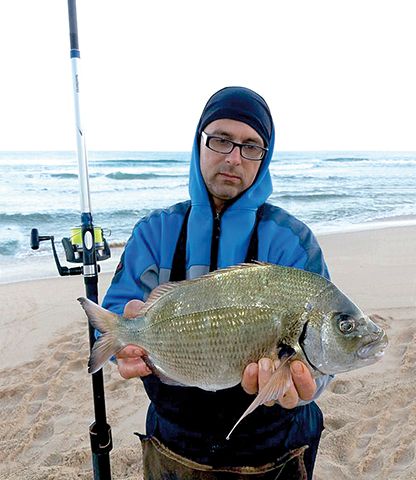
x,y
35,238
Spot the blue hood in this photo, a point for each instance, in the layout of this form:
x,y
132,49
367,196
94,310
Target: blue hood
x,y
237,219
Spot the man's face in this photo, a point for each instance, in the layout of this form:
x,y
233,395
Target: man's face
x,y
227,175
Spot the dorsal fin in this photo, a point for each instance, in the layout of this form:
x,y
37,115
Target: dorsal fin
x,y
239,266
156,294
160,290
165,288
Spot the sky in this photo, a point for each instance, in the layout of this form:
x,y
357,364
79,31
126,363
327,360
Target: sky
x,y
337,74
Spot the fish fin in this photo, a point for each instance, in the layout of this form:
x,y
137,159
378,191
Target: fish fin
x,y
108,344
165,288
261,264
239,266
275,388
156,293
103,349
100,318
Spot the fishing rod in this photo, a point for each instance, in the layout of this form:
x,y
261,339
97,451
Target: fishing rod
x,y
87,245
100,431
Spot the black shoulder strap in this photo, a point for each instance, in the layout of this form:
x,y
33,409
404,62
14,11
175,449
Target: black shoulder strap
x,y
178,271
253,247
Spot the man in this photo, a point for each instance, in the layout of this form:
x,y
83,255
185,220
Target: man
x,y
226,222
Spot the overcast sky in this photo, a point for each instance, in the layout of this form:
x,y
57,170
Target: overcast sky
x,y
337,74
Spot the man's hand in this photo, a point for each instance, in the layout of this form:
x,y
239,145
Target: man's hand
x,y
129,360
256,375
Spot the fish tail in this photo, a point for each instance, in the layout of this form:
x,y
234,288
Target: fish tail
x,y
103,349
107,344
100,318
275,388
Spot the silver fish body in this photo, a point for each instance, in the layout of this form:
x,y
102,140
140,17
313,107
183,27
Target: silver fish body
x,y
204,332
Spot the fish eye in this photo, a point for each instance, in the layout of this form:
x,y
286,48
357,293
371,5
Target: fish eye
x,y
346,324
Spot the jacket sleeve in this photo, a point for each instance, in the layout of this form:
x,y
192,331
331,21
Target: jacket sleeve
x,y
147,257
138,270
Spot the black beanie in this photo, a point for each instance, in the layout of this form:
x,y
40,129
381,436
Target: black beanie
x,y
242,104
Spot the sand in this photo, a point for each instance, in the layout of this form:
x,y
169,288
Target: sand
x,y
45,391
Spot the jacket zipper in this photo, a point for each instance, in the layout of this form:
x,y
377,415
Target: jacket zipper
x,y
216,230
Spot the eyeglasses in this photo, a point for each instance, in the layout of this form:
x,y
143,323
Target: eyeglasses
x,y
223,145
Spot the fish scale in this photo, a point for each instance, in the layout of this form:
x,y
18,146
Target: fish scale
x,y
236,337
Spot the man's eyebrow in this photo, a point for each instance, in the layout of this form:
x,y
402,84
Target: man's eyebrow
x,y
222,133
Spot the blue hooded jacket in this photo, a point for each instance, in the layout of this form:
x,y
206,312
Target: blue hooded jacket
x,y
190,421
148,255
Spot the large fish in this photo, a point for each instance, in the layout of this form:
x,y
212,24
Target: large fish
x,y
204,332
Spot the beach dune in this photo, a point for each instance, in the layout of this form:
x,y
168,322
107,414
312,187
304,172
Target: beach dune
x,y
46,398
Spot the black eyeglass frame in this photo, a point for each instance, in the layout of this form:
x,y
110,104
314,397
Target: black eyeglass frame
x,y
207,137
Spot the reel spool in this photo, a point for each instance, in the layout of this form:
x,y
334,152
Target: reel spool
x,y
74,249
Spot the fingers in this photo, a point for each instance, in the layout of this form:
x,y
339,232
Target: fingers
x,y
256,376
130,362
132,308
130,351
250,379
303,386
132,368
303,380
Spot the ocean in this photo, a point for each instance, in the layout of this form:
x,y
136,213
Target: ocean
x,y
329,191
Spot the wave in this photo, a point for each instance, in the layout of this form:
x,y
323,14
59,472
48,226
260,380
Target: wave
x,y
126,213
128,162
138,176
9,247
65,219
316,197
33,217
132,176
63,175
298,177
345,159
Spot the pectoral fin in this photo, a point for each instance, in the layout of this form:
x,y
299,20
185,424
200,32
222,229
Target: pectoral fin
x,y
276,387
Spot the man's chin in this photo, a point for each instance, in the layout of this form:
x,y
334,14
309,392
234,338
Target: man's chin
x,y
223,198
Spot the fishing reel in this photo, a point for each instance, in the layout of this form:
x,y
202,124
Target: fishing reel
x,y
73,248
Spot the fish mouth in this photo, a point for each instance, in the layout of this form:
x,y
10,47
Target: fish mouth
x,y
374,349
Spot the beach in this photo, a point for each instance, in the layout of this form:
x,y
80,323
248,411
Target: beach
x,y
45,390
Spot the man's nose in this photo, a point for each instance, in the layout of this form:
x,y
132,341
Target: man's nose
x,y
234,157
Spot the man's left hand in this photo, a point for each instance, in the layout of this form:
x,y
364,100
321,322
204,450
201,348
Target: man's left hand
x,y
256,375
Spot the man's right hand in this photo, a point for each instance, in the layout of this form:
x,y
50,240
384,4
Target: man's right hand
x,y
130,361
